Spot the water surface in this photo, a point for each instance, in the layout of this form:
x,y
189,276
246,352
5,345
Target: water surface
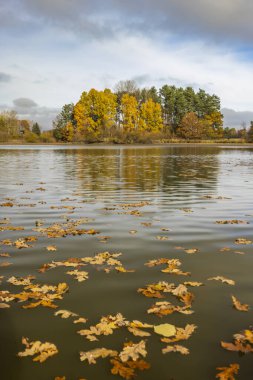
x,y
174,181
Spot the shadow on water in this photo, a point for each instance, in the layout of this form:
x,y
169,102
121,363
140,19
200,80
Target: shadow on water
x,y
8,348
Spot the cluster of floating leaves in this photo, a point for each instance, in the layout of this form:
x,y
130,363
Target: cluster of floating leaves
x,y
130,359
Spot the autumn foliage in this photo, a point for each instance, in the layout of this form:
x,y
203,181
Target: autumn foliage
x,y
130,114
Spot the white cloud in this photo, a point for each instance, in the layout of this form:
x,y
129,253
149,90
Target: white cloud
x,y
55,72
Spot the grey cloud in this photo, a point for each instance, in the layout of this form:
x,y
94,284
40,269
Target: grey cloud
x,y
4,78
216,19
24,103
236,119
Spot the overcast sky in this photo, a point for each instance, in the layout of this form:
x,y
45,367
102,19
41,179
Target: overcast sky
x,y
52,50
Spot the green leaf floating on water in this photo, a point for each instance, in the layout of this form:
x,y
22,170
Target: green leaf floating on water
x,y
165,329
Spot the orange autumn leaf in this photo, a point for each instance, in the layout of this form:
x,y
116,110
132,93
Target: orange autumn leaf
x,y
238,305
227,373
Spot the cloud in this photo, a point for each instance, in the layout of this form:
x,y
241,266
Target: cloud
x,y
24,103
5,78
218,20
236,119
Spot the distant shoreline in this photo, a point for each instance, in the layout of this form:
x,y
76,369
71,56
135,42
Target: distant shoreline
x,y
151,145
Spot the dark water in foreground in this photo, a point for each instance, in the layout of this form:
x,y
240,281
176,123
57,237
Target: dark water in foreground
x,y
171,179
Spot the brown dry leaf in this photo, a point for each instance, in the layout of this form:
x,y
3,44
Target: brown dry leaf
x,y
44,295
21,281
223,279
11,228
243,241
192,250
4,306
150,291
146,224
162,238
106,326
44,350
181,334
51,248
193,283
225,249
237,346
233,221
127,369
5,254
176,348
173,266
6,242
133,351
130,205
65,314
80,276
92,355
227,373
7,204
80,320
238,305
5,264
5,221
165,308
124,270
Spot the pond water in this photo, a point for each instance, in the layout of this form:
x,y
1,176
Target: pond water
x,y
174,193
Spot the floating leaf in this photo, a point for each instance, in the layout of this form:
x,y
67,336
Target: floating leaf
x,y
237,346
239,306
233,221
176,348
181,334
192,250
133,351
65,314
223,279
243,241
92,355
227,373
4,306
127,369
80,276
51,248
165,329
44,350
193,283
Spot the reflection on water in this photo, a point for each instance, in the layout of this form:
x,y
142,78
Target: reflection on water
x,y
176,181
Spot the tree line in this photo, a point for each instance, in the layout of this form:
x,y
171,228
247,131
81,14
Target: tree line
x,y
13,129
132,113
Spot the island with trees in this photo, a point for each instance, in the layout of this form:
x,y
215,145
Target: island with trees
x,y
131,115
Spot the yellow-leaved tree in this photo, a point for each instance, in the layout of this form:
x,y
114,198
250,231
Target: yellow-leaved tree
x,y
95,113
151,117
130,112
214,123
